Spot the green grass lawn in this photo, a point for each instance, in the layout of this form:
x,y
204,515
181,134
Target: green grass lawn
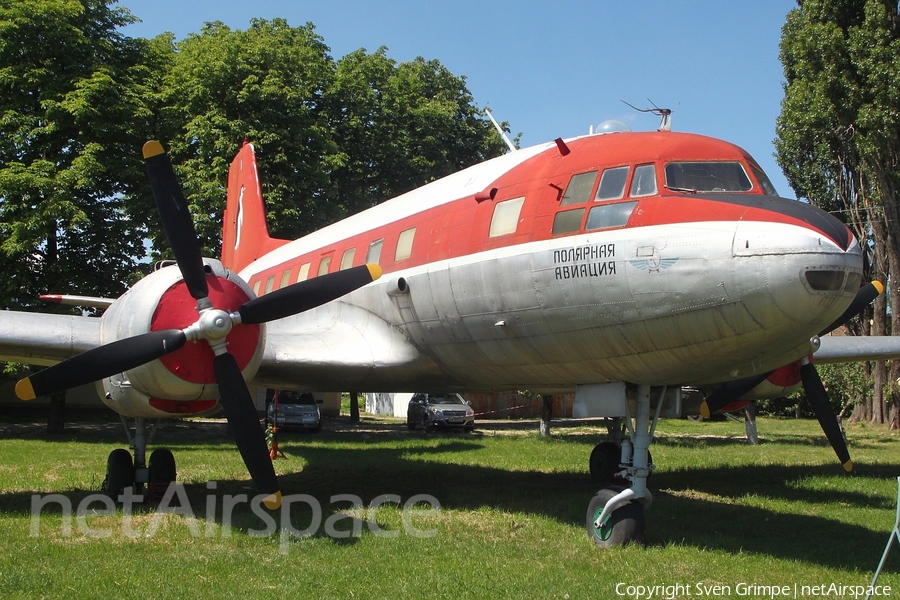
x,y
511,519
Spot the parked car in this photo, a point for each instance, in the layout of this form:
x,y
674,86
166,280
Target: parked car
x,y
445,410
296,411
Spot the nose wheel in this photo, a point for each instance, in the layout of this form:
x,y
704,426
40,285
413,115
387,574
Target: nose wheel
x,y
615,515
623,525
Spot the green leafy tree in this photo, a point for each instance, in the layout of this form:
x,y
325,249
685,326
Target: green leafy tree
x,y
332,137
265,84
839,140
400,126
75,97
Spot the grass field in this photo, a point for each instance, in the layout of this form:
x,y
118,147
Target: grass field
x,y
511,519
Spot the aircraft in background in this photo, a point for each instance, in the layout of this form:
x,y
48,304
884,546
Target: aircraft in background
x,y
653,273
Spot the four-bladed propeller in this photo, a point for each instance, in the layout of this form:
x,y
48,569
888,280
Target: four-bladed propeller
x,y
213,325
812,385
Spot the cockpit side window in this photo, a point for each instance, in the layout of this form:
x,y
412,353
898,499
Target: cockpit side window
x,y
579,189
763,180
707,177
612,184
644,181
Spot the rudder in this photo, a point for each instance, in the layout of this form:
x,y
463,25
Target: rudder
x,y
245,235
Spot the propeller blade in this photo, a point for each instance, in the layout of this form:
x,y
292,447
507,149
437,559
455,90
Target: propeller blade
x,y
244,424
307,294
864,296
176,219
818,398
104,361
730,392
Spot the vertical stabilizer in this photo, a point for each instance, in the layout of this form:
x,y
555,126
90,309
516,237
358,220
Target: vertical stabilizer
x,y
245,236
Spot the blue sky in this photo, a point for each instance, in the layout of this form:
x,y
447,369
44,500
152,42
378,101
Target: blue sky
x,y
554,70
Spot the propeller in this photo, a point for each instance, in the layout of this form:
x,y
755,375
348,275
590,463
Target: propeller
x,y
818,399
213,325
812,384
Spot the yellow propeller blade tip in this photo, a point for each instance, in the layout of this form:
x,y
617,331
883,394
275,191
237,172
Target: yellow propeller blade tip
x,y
704,409
272,501
374,270
153,148
848,466
24,389
878,286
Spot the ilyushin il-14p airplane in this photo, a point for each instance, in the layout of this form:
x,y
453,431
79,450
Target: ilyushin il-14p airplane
x,y
652,273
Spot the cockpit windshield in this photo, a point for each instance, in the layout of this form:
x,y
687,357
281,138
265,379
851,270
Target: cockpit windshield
x,y
699,177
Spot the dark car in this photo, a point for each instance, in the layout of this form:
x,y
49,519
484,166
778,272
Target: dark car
x,y
296,411
443,410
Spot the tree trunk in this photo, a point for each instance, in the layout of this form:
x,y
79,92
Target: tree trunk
x,y
354,407
56,419
546,416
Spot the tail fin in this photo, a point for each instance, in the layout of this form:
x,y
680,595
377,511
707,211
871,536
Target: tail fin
x,y
245,236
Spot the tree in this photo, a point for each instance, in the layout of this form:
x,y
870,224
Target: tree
x,y
266,84
74,100
332,138
398,127
839,141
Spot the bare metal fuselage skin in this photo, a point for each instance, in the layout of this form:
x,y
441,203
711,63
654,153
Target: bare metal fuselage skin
x,y
689,304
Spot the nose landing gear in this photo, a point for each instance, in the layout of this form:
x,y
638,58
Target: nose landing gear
x,y
615,515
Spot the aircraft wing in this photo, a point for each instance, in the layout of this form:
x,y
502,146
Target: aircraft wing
x,y
339,347
851,348
45,339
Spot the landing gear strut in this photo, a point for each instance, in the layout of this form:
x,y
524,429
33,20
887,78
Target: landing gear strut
x,y
123,471
615,515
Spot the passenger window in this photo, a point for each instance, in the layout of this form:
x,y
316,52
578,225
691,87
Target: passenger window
x,y
612,184
270,283
303,273
609,215
324,265
404,244
374,253
579,189
567,221
285,279
506,216
347,258
644,182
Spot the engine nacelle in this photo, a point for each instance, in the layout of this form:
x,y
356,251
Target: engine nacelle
x,y
182,383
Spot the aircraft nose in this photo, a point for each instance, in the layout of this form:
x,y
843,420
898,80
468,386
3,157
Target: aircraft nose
x,y
807,263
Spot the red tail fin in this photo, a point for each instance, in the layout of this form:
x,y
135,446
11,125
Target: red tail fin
x,y
245,236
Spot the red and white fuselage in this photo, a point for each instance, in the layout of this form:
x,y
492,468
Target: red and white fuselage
x,y
647,258
643,284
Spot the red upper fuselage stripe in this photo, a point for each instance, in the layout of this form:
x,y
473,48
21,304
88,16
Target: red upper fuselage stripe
x,y
461,227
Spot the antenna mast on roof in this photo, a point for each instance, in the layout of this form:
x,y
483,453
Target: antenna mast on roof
x,y
512,147
665,114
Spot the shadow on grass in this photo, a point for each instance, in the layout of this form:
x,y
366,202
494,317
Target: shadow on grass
x,y
695,507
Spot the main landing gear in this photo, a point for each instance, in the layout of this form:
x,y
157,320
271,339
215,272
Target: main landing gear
x,y
615,515
148,479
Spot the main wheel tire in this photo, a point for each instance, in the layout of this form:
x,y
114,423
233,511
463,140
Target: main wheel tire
x,y
161,472
119,473
625,524
604,462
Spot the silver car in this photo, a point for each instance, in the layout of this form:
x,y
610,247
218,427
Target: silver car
x,y
444,410
296,411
